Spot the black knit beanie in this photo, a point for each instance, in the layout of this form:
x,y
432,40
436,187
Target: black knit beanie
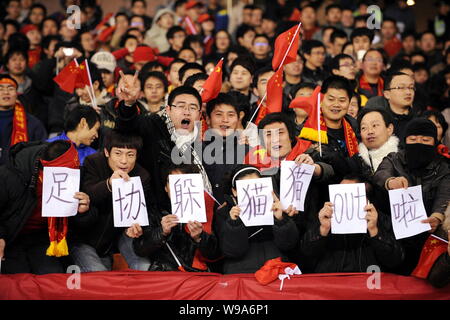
x,y
421,127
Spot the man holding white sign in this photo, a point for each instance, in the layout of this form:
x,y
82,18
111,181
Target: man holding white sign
x,y
169,244
29,242
350,250
109,177
418,164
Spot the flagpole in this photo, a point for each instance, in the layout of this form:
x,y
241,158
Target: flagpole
x,y
94,101
318,125
88,91
281,65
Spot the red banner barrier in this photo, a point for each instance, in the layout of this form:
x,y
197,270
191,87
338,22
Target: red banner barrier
x,y
132,285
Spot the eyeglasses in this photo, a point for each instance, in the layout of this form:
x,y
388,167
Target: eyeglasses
x,y
403,88
7,89
191,108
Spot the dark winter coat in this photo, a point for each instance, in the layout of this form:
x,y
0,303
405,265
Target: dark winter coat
x,y
244,253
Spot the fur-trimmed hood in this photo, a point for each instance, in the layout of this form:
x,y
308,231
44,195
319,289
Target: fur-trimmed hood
x,y
373,158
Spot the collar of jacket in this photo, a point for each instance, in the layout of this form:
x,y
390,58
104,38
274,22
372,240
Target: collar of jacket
x,y
374,157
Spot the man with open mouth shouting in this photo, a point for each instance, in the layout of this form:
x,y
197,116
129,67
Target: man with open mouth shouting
x,y
168,136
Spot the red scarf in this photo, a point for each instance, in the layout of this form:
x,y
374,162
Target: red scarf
x,y
57,227
443,151
258,156
19,130
350,138
364,84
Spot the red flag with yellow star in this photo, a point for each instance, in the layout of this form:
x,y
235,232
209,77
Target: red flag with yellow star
x,y
67,77
213,85
432,249
282,46
83,76
274,98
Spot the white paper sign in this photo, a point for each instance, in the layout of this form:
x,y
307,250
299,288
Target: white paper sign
x,y
349,201
59,185
294,181
255,200
187,197
407,212
129,205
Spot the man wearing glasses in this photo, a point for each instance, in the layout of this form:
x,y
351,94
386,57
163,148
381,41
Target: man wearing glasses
x,y
168,137
16,125
399,90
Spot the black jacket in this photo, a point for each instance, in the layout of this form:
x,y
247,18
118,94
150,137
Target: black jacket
x,y
154,245
219,157
18,190
99,231
439,275
35,130
352,252
243,254
157,149
435,181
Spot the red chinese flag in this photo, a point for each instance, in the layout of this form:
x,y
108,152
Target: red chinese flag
x,y
432,249
310,105
83,77
275,92
282,45
67,77
274,98
213,84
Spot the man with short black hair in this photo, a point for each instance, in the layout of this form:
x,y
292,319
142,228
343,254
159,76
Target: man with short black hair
x,y
168,137
81,128
175,37
96,239
399,90
16,125
314,53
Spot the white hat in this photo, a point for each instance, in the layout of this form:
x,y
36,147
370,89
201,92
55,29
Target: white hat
x,y
104,60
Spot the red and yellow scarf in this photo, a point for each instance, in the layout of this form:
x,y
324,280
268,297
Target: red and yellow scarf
x,y
19,130
57,227
364,84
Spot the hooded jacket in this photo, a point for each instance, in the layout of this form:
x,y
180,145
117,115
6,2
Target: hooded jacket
x,y
155,37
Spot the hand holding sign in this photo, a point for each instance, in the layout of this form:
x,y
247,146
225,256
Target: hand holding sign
x,y
408,212
325,219
187,197
372,219
297,178
60,184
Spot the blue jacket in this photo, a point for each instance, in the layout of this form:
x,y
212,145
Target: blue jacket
x,y
83,151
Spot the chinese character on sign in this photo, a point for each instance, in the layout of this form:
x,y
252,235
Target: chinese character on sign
x,y
296,180
407,212
255,200
129,204
187,197
185,202
59,186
